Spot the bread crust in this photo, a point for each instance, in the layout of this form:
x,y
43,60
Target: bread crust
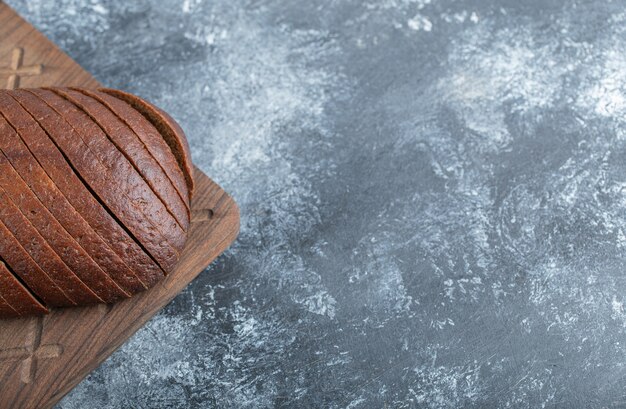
x,y
6,311
168,128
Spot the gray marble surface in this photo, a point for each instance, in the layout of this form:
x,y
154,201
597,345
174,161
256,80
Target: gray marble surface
x,y
433,199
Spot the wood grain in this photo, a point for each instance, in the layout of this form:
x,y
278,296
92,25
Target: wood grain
x,y
41,359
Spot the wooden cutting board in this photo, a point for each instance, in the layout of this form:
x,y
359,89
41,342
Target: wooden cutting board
x,y
41,359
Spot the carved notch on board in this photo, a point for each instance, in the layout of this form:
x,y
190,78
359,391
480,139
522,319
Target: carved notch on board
x,y
202,215
16,69
32,352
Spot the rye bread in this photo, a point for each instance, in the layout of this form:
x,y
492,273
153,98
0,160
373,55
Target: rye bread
x,y
69,127
6,311
26,268
17,296
45,190
94,201
150,137
43,150
167,127
43,254
125,150
99,141
72,254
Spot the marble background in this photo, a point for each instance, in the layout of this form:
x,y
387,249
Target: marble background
x,y
433,199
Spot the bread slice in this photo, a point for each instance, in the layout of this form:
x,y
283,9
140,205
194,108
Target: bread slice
x,y
100,145
149,136
125,150
94,199
167,127
72,254
37,181
30,239
26,268
18,296
6,311
46,154
77,137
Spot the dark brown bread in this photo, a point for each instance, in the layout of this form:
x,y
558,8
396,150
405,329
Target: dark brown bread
x,y
25,267
94,200
6,311
54,201
126,150
74,134
150,137
72,254
167,126
59,170
17,296
117,166
43,254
